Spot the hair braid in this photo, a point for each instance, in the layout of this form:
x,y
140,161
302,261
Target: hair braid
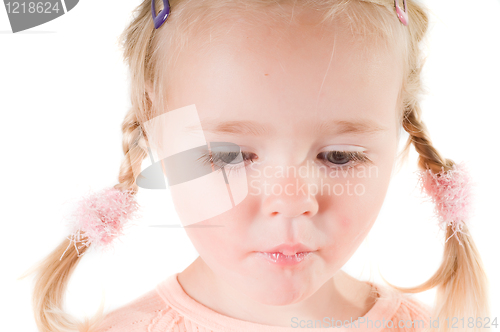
x,y
54,271
429,157
135,151
462,284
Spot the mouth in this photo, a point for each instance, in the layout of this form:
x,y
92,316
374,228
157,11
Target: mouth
x,y
290,249
279,258
287,254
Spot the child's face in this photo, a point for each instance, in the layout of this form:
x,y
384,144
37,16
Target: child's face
x,y
292,80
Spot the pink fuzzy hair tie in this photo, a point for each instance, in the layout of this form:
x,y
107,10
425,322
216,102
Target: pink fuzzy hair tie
x,y
451,193
101,218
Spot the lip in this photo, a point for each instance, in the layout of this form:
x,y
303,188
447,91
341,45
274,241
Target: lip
x,y
280,259
289,249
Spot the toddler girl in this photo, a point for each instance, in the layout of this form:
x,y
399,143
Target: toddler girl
x,y
296,108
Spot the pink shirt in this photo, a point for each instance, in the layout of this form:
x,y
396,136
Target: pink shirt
x,y
167,308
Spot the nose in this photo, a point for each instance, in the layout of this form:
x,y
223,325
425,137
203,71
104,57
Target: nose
x,y
290,197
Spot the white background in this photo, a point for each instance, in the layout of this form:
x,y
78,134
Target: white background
x,y
64,93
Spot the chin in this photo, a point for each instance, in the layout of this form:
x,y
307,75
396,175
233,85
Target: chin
x,y
281,296
279,290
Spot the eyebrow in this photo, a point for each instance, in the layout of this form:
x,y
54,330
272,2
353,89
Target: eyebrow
x,y
331,128
343,127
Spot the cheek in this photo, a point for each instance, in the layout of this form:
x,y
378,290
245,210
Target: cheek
x,y
346,236
222,238
212,245
354,214
353,231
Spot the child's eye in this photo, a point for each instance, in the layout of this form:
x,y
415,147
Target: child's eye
x,y
344,159
229,160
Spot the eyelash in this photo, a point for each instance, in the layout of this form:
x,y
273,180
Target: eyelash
x,y
356,158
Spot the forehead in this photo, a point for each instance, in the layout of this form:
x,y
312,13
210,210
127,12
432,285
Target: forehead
x,y
296,72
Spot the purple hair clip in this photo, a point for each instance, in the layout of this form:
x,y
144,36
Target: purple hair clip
x,y
402,15
162,15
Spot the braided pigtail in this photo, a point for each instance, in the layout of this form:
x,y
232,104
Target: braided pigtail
x,y
135,149
53,272
461,281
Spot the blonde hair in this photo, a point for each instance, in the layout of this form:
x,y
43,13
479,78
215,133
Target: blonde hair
x,y
462,286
